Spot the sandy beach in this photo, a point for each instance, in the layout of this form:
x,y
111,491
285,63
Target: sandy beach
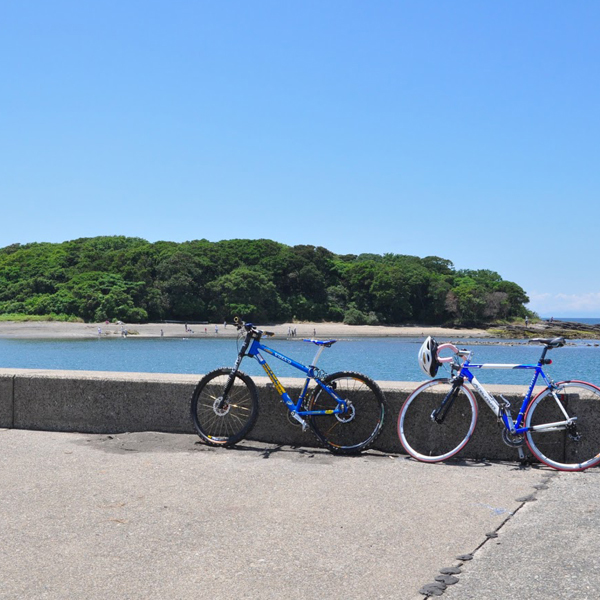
x,y
58,330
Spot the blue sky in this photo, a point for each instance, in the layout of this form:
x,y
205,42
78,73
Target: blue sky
x,y
467,130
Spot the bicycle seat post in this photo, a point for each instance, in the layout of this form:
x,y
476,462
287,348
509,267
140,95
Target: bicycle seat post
x,y
316,358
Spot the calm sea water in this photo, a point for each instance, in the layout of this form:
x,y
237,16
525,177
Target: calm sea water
x,y
391,359
586,320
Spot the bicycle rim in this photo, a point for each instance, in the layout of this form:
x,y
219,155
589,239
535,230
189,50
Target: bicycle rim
x,y
356,429
572,449
430,441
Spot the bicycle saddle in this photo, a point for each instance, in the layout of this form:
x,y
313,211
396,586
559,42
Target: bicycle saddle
x,y
326,343
556,342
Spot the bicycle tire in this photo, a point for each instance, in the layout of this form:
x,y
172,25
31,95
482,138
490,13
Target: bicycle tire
x,y
232,422
559,448
357,429
426,439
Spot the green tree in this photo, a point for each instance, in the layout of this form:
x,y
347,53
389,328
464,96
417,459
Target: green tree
x,y
132,279
181,279
100,296
245,293
390,295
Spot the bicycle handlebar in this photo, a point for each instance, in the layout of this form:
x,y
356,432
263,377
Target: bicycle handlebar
x,y
250,328
448,346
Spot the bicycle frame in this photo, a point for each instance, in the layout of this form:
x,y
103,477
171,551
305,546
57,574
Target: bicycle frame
x,y
252,347
515,427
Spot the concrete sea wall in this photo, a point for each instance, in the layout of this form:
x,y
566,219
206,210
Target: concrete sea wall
x,y
111,402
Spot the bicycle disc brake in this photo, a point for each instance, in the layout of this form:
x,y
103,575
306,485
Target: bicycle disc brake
x,y
348,415
221,406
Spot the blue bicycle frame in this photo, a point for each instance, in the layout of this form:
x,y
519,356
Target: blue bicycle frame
x,y
515,427
252,347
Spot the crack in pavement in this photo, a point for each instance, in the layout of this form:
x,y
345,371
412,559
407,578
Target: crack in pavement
x,y
439,585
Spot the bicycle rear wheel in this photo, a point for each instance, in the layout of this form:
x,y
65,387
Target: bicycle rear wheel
x,y
574,447
356,429
223,421
424,438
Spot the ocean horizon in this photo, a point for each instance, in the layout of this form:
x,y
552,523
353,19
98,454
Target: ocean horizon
x,y
586,320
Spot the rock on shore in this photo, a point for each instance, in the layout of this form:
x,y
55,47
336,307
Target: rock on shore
x,y
554,328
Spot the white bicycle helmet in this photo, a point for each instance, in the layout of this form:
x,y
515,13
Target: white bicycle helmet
x,y
428,357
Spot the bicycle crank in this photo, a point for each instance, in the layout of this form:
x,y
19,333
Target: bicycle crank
x,y
511,439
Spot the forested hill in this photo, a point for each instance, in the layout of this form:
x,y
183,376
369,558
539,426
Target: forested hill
x,y
133,280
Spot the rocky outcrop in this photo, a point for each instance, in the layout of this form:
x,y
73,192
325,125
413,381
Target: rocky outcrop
x,y
547,328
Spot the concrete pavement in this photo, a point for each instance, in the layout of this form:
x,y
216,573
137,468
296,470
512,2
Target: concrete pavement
x,y
155,515
550,549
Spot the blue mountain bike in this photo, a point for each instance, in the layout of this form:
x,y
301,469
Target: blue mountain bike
x,y
560,424
345,410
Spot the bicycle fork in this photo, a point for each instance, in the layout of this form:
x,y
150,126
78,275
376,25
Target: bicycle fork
x,y
439,414
221,405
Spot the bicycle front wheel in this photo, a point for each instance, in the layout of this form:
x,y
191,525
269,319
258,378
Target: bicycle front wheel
x,y
219,420
358,427
567,447
428,440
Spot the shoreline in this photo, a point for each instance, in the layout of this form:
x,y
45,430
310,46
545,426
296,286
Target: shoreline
x,y
64,330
